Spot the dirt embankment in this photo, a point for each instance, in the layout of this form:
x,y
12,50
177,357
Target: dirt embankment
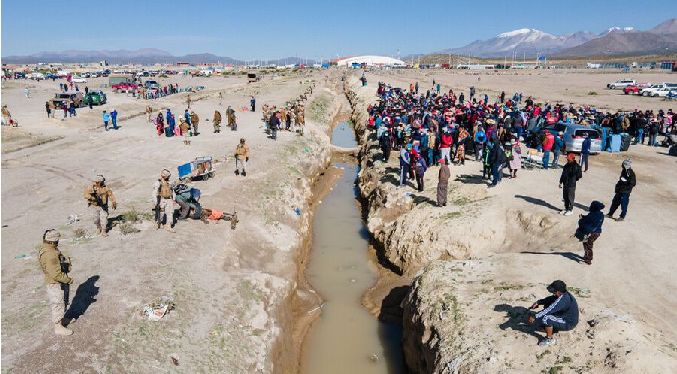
x,y
457,278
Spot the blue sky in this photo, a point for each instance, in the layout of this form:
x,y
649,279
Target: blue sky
x,y
262,29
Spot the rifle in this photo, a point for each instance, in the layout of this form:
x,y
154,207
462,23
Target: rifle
x,y
158,214
156,209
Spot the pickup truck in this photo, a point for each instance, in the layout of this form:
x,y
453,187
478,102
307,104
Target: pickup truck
x,y
652,90
620,84
124,87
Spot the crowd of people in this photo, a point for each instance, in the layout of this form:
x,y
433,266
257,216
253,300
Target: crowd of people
x,y
430,129
435,126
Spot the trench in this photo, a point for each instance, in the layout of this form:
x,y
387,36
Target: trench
x,y
345,338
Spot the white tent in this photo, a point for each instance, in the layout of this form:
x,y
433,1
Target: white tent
x,y
370,61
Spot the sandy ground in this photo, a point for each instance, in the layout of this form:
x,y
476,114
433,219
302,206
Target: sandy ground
x,y
232,289
518,243
553,86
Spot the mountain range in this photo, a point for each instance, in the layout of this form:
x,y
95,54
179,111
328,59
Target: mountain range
x,y
615,40
140,56
526,41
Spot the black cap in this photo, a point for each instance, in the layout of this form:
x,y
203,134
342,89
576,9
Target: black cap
x,y
557,285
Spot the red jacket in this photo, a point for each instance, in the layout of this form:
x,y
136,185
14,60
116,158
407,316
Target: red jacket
x,y
446,141
548,141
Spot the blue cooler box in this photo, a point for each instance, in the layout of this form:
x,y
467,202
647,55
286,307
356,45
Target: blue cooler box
x,y
185,169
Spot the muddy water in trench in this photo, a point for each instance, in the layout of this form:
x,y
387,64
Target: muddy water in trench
x,y
345,338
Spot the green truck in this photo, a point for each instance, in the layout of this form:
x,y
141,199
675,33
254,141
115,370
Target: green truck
x,y
95,97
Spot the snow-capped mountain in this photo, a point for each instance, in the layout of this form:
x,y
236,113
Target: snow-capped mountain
x,y
618,29
520,41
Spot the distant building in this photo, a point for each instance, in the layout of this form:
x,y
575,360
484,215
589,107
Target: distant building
x,y
103,63
370,61
475,67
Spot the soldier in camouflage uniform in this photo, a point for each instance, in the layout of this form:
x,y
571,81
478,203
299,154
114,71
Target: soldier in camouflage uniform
x,y
55,267
98,195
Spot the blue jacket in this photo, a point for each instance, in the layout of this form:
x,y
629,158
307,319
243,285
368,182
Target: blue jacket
x,y
585,147
592,222
558,145
564,307
480,136
404,157
106,117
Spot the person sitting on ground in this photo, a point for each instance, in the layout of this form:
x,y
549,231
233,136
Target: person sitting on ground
x,y
560,312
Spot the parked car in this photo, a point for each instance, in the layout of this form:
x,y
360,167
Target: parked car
x,y
651,90
95,97
77,79
663,92
620,84
36,76
534,138
635,88
124,87
575,134
151,84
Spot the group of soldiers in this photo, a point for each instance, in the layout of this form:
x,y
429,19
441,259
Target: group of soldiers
x,y
294,113
230,116
101,200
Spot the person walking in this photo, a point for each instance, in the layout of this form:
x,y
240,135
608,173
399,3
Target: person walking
x,y
404,164
163,196
241,158
547,145
385,141
194,121
232,120
496,160
446,140
590,228
626,182
419,170
114,119
571,173
183,126
443,183
48,109
106,119
480,139
515,160
252,103
98,195
557,147
55,268
216,121
585,151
